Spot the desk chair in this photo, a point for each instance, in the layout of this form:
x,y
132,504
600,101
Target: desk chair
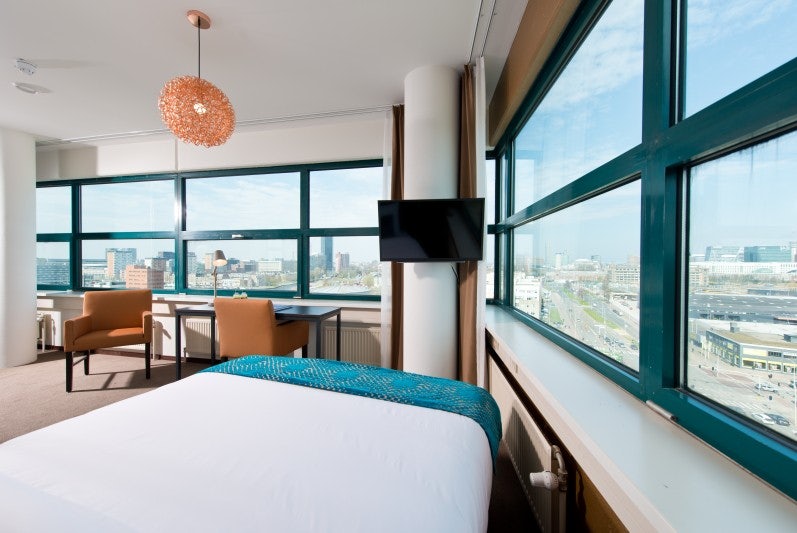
x,y
249,327
110,318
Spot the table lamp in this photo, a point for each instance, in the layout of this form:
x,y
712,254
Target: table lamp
x,y
218,260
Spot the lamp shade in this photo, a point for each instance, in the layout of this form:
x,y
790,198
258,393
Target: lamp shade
x,y
196,111
219,259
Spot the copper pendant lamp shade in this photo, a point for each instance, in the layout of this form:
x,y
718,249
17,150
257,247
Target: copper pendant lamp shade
x,y
195,110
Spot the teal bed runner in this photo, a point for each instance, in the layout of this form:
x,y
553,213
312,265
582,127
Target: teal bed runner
x,y
375,382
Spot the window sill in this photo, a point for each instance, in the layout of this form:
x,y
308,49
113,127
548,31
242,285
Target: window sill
x,y
654,474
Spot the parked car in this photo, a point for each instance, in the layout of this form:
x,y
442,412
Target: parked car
x,y
764,419
766,386
779,419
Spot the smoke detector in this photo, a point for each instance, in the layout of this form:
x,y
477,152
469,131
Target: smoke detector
x,y
25,66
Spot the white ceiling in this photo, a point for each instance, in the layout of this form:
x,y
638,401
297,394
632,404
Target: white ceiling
x,y
102,63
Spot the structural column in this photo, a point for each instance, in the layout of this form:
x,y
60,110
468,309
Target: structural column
x,y
431,162
17,249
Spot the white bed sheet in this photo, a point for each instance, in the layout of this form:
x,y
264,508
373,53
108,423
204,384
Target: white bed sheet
x,y
216,452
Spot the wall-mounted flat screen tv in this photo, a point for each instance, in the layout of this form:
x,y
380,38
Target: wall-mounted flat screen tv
x,y
418,231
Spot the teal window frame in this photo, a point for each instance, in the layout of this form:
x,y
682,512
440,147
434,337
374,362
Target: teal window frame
x,y
181,236
670,145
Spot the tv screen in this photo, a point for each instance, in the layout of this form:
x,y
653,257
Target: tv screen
x,y
416,231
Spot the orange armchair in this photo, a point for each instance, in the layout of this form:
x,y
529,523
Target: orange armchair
x,y
110,318
249,327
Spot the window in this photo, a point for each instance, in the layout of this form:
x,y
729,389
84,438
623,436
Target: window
x,y
158,232
663,252
130,206
578,271
591,114
128,264
53,210
54,226
344,265
742,269
489,218
251,265
262,201
730,43
358,189
52,264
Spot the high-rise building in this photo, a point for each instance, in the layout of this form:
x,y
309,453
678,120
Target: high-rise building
x,y
724,253
191,263
328,253
341,261
118,259
143,277
52,271
767,254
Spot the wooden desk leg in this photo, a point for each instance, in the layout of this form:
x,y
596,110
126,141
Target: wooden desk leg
x,y
177,342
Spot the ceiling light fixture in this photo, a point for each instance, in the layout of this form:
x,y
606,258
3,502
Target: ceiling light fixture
x,y
25,66
195,110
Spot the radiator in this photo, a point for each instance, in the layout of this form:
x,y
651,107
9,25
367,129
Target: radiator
x,y
538,463
197,337
357,344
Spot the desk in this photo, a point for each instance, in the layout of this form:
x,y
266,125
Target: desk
x,y
311,313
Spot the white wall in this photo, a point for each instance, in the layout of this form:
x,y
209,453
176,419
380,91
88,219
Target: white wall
x,y
303,141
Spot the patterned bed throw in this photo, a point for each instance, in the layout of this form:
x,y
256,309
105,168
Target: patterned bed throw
x,y
374,382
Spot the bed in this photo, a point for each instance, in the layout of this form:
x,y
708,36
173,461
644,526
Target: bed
x,y
263,444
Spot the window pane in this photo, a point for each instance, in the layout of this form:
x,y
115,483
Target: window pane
x,y
53,210
345,265
345,198
742,315
251,265
52,263
134,206
262,201
128,263
489,266
730,43
592,113
578,271
489,192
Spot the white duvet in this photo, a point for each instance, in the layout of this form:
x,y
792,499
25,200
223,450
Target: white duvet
x,y
223,453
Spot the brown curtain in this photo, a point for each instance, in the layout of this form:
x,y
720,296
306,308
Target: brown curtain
x,y
397,269
468,270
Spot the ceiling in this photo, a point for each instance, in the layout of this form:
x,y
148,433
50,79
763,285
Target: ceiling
x,y
101,65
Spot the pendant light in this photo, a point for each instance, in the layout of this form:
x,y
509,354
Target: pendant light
x,y
195,110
